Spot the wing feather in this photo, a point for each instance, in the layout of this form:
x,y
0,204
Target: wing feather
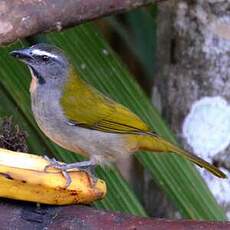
x,y
85,106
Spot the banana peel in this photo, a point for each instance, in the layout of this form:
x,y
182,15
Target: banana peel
x,y
22,177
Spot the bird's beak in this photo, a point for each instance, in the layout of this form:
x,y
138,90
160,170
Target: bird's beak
x,y
22,54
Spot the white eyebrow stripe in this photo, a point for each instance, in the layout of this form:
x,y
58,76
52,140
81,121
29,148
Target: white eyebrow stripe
x,y
42,52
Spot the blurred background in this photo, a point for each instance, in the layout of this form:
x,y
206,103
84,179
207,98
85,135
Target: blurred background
x,y
169,63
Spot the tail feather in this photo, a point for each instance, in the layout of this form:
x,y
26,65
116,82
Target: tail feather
x,y
157,144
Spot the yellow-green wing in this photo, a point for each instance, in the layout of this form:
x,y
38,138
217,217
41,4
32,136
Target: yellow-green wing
x,y
85,106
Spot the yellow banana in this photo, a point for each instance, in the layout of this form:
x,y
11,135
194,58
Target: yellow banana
x,y
22,177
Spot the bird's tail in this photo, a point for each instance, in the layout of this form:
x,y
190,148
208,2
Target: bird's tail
x,y
157,144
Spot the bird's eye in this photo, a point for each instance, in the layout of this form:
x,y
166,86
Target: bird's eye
x,y
45,58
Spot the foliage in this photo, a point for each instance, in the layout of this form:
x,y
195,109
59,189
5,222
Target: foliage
x,y
100,66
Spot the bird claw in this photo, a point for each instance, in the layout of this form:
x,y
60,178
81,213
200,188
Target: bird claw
x,y
67,177
85,166
53,163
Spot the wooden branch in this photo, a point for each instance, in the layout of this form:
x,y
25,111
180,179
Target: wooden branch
x,y
22,18
22,216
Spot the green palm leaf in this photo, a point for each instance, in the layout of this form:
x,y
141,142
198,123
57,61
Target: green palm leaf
x,y
99,65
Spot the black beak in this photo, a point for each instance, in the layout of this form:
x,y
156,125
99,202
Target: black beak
x,y
22,54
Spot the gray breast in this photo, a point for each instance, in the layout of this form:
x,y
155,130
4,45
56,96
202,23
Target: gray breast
x,y
100,146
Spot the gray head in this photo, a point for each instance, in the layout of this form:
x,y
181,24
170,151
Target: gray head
x,y
47,63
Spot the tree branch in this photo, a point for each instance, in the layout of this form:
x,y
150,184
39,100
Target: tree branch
x,y
22,18
27,216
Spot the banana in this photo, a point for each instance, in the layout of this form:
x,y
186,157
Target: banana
x,y
22,177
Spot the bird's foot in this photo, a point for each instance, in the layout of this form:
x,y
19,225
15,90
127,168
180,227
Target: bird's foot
x,y
86,166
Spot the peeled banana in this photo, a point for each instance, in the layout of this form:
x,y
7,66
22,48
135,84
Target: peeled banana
x,y
22,177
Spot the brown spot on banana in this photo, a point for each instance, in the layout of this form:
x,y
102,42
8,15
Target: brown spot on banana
x,y
7,176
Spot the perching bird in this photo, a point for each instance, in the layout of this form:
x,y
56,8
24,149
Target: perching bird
x,y
79,118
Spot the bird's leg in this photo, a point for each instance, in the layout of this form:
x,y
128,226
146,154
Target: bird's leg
x,y
86,166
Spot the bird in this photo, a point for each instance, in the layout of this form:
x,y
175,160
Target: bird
x,y
79,118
